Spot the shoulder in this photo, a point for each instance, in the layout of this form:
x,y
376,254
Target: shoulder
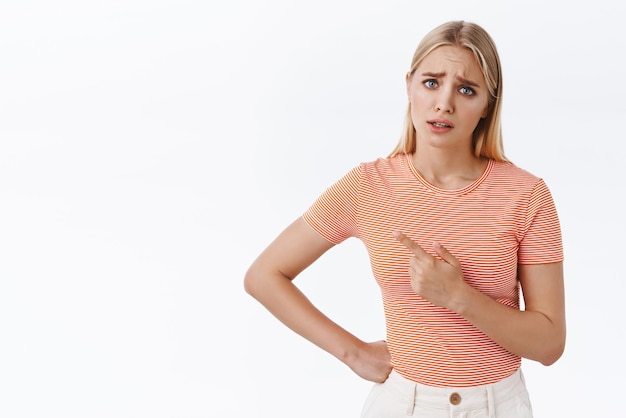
x,y
519,184
395,166
512,174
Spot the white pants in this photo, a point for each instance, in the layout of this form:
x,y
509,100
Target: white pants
x,y
398,397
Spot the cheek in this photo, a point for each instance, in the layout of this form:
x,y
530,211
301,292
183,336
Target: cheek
x,y
417,109
420,103
475,113
418,96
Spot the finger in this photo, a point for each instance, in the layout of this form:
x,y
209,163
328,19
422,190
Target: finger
x,y
413,246
445,254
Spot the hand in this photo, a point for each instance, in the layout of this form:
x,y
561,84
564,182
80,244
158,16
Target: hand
x,y
372,362
437,280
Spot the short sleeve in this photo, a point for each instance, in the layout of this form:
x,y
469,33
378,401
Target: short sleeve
x,y
541,242
334,214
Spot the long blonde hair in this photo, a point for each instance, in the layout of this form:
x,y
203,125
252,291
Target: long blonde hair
x,y
487,137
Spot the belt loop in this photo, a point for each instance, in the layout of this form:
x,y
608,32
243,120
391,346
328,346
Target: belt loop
x,y
491,404
411,406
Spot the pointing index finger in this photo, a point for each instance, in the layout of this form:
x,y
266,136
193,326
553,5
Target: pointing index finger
x,y
413,246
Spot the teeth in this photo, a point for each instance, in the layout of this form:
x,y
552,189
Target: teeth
x,y
441,125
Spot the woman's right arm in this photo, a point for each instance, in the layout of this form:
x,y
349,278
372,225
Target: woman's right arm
x,y
270,281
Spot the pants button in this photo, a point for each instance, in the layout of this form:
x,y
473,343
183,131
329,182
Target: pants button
x,y
455,399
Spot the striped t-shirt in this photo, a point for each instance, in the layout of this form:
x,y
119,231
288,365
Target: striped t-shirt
x,y
504,218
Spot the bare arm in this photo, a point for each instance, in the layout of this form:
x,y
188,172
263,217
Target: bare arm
x,y
537,333
270,280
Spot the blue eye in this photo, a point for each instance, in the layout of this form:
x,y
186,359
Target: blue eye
x,y
431,84
466,91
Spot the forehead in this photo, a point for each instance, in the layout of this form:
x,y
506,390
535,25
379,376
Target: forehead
x,y
452,60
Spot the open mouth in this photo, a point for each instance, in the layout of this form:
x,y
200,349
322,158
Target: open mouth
x,y
440,125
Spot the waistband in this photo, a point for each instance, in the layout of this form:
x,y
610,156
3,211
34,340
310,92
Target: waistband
x,y
475,397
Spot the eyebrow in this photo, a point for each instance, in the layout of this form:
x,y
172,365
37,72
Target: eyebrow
x,y
461,79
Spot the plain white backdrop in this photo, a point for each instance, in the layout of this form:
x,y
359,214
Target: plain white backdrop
x,y
149,150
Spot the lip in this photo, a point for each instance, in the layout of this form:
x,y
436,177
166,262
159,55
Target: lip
x,y
440,122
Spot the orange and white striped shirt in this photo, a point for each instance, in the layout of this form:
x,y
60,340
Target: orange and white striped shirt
x,y
504,218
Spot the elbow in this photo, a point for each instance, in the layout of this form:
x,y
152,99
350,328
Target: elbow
x,y
551,358
553,352
257,281
250,282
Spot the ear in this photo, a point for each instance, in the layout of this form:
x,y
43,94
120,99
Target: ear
x,y
407,80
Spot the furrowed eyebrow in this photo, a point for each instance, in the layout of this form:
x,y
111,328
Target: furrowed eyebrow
x,y
468,82
433,75
461,79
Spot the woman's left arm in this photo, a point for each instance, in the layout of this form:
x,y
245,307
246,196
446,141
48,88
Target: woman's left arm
x,y
536,333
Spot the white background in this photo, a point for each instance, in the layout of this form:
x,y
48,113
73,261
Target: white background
x,y
149,150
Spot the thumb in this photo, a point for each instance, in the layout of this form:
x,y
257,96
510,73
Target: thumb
x,y
445,254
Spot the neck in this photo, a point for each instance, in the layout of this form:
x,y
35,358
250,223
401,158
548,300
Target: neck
x,y
447,170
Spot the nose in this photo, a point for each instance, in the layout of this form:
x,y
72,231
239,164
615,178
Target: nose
x,y
445,101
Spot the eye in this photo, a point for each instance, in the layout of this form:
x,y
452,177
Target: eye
x,y
467,91
431,84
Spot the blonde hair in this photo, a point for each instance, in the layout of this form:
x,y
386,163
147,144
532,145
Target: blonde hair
x,y
487,137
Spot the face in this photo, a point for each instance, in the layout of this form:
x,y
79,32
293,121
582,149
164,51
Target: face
x,y
448,96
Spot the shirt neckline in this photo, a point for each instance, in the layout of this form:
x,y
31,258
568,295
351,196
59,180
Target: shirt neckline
x,y
463,190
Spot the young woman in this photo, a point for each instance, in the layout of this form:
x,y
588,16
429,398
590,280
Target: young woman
x,y
454,231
